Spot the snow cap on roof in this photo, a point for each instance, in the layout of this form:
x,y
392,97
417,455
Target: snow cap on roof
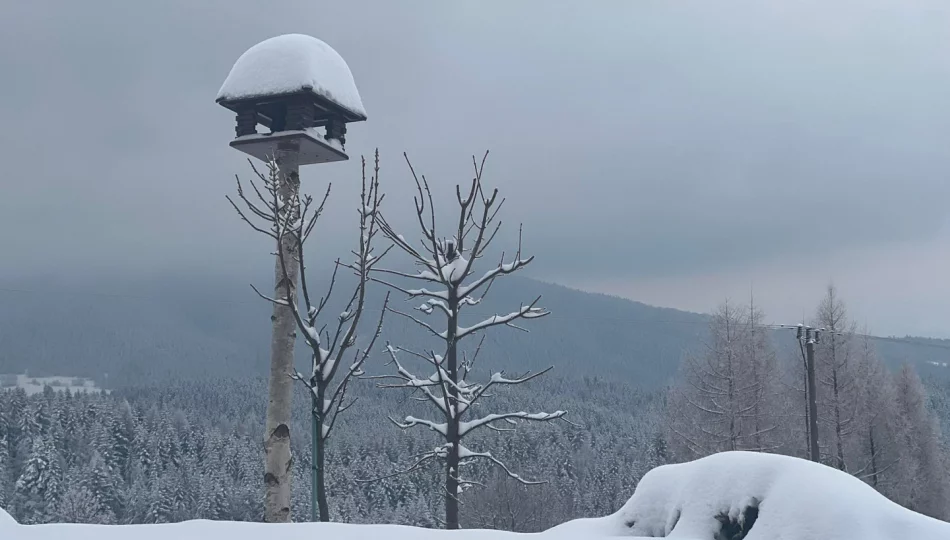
x,y
292,63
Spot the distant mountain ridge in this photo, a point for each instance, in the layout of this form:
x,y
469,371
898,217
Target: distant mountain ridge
x,y
138,330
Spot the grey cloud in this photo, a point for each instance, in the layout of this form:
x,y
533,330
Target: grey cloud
x,y
634,139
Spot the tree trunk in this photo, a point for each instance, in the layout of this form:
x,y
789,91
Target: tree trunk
x,y
873,457
839,435
319,462
455,441
277,458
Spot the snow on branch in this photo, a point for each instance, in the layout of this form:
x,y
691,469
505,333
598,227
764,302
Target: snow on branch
x,y
411,422
294,219
446,263
467,427
467,455
525,312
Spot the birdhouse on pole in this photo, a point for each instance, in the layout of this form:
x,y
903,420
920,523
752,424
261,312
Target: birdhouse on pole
x,y
300,90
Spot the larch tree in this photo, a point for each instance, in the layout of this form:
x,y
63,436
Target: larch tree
x,y
724,398
874,441
834,369
448,286
764,406
923,475
292,219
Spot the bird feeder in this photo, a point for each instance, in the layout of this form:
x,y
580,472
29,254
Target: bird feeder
x,y
302,93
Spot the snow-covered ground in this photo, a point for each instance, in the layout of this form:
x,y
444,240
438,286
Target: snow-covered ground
x,y
34,385
732,495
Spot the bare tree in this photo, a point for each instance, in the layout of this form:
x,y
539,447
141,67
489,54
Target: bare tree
x,y
445,265
723,400
875,431
923,477
835,373
327,383
763,401
273,213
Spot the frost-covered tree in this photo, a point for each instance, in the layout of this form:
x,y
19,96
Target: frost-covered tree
x,y
834,368
102,480
79,505
874,440
924,479
4,469
446,266
335,357
39,485
726,398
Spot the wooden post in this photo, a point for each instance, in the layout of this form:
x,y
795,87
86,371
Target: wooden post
x,y
813,451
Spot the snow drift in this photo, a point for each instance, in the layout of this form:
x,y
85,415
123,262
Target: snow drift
x,y
736,495
727,496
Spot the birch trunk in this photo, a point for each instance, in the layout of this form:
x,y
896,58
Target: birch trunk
x,y
277,458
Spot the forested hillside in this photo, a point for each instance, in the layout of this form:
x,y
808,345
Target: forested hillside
x,y
139,330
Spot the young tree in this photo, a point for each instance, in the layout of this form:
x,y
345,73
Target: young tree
x,y
445,265
327,383
79,505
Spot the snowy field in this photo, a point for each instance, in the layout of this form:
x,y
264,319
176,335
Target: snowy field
x,y
732,495
34,385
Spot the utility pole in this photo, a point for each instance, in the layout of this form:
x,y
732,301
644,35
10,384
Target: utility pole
x,y
810,336
810,340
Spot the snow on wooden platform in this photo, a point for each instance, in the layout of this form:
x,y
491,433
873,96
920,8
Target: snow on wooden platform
x,y
292,63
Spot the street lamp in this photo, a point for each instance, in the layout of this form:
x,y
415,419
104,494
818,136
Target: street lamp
x,y
302,92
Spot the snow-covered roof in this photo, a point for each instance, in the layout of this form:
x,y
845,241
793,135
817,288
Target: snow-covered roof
x,y
292,63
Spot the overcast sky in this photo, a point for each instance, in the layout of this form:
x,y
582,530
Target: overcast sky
x,y
676,153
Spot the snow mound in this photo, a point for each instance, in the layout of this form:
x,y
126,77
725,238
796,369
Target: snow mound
x,y
5,519
292,63
760,497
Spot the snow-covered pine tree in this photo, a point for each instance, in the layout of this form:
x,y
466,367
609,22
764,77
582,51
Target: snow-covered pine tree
x,y
39,485
4,472
446,264
102,481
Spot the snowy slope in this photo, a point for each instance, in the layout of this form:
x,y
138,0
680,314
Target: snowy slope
x,y
763,496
